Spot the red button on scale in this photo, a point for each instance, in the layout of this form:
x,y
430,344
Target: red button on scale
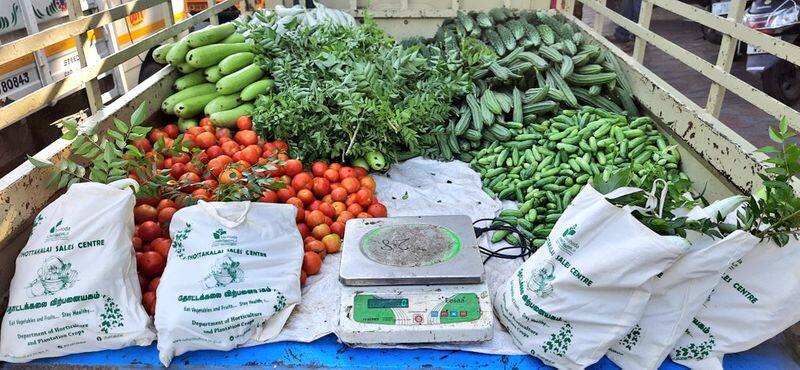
x,y
418,318
444,313
463,313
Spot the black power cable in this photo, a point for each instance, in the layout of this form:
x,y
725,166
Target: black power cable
x,y
525,246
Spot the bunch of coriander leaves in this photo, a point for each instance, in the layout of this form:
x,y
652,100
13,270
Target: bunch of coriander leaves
x,y
678,195
774,211
341,92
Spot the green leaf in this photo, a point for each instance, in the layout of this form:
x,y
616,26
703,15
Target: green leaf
x,y
121,126
784,125
137,118
114,134
65,178
97,175
39,163
69,134
108,153
618,179
776,137
73,181
140,130
54,178
767,149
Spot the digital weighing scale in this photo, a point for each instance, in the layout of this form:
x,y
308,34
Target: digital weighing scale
x,y
413,280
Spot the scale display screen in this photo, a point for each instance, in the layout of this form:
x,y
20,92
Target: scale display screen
x,y
387,303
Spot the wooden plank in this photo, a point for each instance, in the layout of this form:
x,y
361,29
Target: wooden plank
x,y
599,20
50,36
640,45
717,149
727,49
213,19
769,44
725,79
83,47
18,109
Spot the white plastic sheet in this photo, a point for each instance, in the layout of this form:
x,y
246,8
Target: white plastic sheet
x,y
415,187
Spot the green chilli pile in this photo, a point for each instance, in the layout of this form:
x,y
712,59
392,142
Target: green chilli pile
x,y
542,166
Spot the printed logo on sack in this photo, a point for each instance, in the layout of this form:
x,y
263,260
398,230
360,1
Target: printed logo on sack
x,y
541,282
226,271
58,232
222,239
54,275
565,242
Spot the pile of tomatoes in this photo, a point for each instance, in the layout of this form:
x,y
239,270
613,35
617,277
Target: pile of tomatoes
x,y
326,195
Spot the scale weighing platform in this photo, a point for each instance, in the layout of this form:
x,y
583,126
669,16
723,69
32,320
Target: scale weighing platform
x,y
413,280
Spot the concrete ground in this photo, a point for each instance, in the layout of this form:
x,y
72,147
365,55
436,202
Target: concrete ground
x,y
745,118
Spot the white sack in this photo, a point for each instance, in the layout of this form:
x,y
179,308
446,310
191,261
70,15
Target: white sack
x,y
757,298
232,277
75,288
587,286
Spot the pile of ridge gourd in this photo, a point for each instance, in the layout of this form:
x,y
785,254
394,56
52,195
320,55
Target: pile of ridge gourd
x,y
548,109
220,79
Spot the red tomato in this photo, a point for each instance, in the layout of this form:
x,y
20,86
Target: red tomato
x,y
201,157
377,210
301,181
210,184
222,132
285,193
327,209
194,131
153,286
327,199
314,205
181,158
281,145
143,281
218,164
244,123
205,140
188,180
335,166
321,186
161,246
338,207
165,215
230,147
143,145
345,216
177,170
339,194
300,209
269,149
318,168
268,196
251,154
312,263
351,184
346,172
331,174
156,134
246,137
306,196
205,121
145,212
360,171
368,183
315,218
171,130
338,228
230,176
355,208
363,215
293,167
137,243
214,151
364,197
152,264
304,230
